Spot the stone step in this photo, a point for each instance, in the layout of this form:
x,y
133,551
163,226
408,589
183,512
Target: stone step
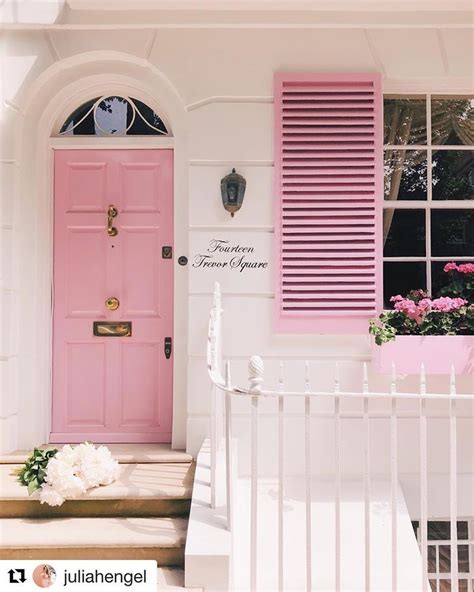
x,y
124,453
171,579
144,489
159,539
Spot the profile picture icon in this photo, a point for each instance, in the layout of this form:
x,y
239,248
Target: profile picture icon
x,y
44,575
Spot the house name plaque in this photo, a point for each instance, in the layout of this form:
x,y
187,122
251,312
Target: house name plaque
x,y
224,254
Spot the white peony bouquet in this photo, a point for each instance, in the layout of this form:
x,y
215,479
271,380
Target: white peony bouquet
x,y
69,472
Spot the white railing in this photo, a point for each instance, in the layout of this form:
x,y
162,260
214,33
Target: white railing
x,y
223,393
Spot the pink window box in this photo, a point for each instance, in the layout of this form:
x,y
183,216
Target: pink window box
x,y
437,352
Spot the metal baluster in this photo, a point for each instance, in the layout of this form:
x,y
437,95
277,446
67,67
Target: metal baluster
x,y
228,446
307,413
365,390
423,481
394,477
453,481
281,388
337,450
255,379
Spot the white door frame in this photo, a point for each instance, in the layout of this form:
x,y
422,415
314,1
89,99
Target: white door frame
x,y
52,98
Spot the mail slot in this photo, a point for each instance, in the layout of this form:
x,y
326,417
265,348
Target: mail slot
x,y
104,329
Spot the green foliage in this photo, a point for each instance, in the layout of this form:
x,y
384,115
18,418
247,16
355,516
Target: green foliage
x,y
417,314
461,285
32,474
393,322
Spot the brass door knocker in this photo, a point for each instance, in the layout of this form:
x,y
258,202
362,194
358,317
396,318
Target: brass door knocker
x,y
112,213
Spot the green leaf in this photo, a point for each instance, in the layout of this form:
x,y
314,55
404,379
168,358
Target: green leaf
x,y
33,486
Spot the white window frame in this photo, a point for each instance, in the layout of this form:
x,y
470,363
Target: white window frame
x,y
428,204
438,576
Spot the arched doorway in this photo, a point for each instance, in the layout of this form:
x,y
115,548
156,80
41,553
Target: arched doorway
x,y
58,93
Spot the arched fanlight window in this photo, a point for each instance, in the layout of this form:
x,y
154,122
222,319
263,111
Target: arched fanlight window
x,y
113,116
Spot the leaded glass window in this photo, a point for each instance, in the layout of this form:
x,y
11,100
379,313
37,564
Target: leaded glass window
x,y
114,116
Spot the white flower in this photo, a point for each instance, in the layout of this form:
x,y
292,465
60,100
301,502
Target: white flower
x,y
48,495
75,469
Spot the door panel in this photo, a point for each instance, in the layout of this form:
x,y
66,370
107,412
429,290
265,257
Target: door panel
x,y
138,362
137,180
86,186
85,411
112,388
140,289
85,284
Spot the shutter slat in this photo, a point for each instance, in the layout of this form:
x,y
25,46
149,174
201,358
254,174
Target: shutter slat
x,y
298,119
329,181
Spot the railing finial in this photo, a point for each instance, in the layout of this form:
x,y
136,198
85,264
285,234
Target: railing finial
x,y
281,377
393,381
365,379
307,377
255,375
216,300
337,380
422,379
452,381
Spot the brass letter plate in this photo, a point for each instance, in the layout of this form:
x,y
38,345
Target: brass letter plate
x,y
105,329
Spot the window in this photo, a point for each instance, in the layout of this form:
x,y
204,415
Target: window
x,y
113,116
428,216
329,184
439,554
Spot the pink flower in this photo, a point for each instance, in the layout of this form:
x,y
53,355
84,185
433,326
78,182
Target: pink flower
x,y
466,268
446,304
396,298
414,311
450,266
425,304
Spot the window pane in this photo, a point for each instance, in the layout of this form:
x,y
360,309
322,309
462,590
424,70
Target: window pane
x,y
404,233
463,558
453,174
440,279
405,120
440,530
82,120
405,174
113,116
452,233
432,558
444,558
452,120
400,278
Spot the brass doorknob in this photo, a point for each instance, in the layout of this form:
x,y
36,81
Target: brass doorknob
x,y
112,303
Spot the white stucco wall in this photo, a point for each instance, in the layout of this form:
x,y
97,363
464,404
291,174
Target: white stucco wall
x,y
222,78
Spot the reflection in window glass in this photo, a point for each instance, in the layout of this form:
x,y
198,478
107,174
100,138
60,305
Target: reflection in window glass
x,y
400,278
405,120
439,278
463,558
405,175
453,174
452,233
116,116
452,120
404,233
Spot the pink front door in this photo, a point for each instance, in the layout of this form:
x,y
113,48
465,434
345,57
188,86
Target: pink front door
x,y
109,386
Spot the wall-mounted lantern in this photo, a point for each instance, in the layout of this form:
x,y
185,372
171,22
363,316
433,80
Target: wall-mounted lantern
x,y
233,191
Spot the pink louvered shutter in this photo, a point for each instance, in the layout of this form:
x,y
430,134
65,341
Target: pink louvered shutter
x,y
329,191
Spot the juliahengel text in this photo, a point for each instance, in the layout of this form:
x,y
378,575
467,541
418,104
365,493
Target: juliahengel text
x,y
82,576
